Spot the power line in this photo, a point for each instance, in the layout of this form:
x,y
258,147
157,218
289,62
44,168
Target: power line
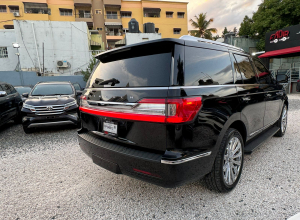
x,y
24,44
78,29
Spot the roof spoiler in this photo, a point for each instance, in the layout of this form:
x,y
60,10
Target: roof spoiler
x,y
202,40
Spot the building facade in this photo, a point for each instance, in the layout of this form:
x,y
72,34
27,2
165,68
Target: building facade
x,y
109,17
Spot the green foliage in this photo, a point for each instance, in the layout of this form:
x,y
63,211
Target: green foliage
x,y
245,29
216,37
225,32
201,25
86,74
270,16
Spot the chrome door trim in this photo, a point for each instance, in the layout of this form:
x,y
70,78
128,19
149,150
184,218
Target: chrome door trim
x,y
265,127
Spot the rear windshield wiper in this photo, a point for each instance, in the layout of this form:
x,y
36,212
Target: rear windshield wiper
x,y
113,82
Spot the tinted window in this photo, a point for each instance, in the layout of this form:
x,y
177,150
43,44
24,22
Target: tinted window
x,y
76,86
143,65
22,90
12,89
245,69
264,76
7,89
207,67
1,88
151,70
52,89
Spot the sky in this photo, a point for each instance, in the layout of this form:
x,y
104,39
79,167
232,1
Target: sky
x,y
226,13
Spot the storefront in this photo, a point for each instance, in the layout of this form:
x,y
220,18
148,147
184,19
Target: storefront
x,y
283,53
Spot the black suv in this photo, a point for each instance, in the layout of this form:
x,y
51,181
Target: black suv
x,y
50,104
10,104
171,111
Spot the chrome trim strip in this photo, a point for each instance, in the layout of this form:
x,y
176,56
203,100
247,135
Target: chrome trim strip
x,y
261,129
113,103
37,125
44,106
174,162
130,88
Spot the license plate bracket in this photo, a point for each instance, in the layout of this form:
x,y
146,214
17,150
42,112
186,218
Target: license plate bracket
x,y
110,127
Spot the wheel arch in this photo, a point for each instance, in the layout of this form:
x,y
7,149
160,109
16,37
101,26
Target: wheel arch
x,y
240,126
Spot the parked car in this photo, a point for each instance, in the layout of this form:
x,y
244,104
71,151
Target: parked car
x,y
78,91
10,104
23,89
50,104
171,111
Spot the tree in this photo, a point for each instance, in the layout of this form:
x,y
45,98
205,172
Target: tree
x,y
235,30
201,25
224,32
270,16
216,37
245,29
86,74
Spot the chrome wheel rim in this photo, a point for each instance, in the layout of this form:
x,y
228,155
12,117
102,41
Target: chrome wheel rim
x,y
284,120
232,160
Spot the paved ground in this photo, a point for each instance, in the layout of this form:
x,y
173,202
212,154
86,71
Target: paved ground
x,y
45,175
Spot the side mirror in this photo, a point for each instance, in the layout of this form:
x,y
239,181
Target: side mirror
x,y
78,92
25,95
2,94
282,78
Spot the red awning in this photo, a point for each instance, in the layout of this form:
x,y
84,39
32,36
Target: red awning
x,y
280,52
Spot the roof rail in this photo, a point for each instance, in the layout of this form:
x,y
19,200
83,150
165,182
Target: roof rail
x,y
198,39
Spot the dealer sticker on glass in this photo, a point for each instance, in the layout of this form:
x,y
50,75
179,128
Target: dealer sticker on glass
x,y
110,127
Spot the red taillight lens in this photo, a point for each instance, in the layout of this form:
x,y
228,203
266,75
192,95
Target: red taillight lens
x,y
185,110
152,110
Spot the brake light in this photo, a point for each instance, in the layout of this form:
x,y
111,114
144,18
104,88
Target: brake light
x,y
152,110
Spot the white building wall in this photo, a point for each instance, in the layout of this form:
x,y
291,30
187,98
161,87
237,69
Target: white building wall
x,y
66,41
7,37
133,38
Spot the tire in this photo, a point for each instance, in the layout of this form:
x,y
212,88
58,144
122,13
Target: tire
x,y
219,179
282,122
27,130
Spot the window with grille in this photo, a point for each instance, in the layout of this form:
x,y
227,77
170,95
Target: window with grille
x,y
85,14
180,14
126,14
176,30
169,14
13,9
99,29
3,52
2,8
66,12
111,15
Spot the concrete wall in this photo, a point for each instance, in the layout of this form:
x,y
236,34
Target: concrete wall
x,y
7,37
133,38
246,44
67,41
31,78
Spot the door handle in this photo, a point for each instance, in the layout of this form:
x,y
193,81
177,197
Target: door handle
x,y
268,95
246,98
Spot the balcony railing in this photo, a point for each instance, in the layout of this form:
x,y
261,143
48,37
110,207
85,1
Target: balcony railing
x,y
114,33
113,16
37,10
84,15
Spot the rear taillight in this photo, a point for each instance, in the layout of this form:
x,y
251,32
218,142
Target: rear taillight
x,y
152,110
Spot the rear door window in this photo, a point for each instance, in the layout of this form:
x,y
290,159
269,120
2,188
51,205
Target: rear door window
x,y
207,67
141,66
7,89
247,74
263,74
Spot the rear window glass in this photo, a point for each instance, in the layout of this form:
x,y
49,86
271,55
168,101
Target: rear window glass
x,y
52,89
207,67
143,66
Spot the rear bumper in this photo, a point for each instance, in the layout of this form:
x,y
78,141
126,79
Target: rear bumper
x,y
147,166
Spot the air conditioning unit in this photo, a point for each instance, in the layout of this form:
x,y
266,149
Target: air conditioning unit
x,y
16,14
62,64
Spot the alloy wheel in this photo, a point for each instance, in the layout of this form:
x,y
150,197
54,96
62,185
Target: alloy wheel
x,y
284,120
232,161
